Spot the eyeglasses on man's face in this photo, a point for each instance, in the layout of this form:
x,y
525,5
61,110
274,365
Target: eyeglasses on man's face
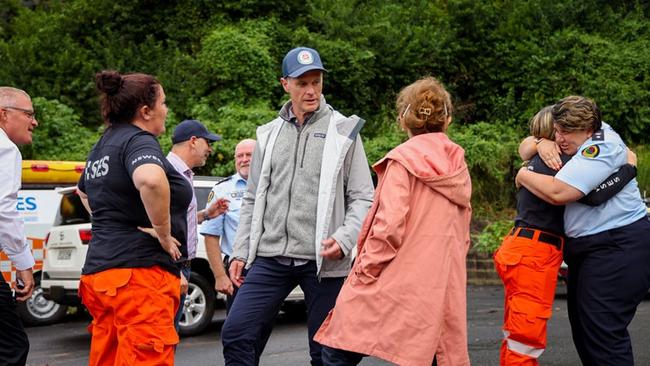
x,y
29,113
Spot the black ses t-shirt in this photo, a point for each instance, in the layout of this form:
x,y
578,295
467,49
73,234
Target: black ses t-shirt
x,y
534,212
117,209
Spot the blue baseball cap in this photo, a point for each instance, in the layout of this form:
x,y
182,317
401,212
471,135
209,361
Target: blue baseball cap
x,y
191,127
300,60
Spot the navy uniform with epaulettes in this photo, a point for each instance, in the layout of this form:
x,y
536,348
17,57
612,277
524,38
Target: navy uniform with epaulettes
x,y
608,253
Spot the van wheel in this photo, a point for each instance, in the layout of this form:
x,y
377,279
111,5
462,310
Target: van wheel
x,y
38,310
198,308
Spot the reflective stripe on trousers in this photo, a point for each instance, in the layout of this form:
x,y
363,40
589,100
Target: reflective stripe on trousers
x,y
522,348
528,269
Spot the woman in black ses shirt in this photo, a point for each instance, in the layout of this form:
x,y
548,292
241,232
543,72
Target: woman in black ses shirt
x,y
130,280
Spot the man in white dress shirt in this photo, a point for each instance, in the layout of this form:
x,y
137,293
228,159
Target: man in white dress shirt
x,y
17,122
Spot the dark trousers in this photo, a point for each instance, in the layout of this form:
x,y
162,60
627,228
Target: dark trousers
x,y
268,328
230,299
609,276
14,344
339,357
259,299
187,271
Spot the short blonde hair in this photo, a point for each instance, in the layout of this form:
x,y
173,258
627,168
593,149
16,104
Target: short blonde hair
x,y
424,106
541,125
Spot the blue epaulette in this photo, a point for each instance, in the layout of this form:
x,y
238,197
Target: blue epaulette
x,y
598,135
223,180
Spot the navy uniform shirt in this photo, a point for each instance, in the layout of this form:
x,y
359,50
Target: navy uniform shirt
x,y
117,209
595,160
534,212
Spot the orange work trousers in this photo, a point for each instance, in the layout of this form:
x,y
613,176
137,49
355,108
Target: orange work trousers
x,y
133,315
528,268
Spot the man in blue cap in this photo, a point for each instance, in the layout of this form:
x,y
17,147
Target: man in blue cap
x,y
308,191
192,146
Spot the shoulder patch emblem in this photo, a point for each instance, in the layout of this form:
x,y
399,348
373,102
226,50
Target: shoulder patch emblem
x,y
591,151
210,196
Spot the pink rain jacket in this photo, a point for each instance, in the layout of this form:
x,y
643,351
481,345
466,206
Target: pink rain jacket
x,y
405,298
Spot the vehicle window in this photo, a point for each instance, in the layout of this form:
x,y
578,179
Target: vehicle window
x,y
71,211
201,196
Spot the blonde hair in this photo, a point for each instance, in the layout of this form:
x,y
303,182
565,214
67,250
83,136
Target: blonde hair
x,y
424,106
541,125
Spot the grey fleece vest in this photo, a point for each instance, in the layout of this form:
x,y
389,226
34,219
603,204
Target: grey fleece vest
x,y
292,199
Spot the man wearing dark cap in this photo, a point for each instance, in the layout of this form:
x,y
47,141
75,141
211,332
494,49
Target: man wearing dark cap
x,y
308,190
191,149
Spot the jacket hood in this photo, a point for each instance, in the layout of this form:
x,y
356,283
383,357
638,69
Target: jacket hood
x,y
437,162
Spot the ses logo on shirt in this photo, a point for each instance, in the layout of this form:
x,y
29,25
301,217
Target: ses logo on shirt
x,y
97,168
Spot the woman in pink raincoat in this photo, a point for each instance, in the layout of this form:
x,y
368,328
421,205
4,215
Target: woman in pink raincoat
x,y
405,298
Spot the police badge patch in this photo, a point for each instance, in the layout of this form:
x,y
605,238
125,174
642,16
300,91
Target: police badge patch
x,y
591,151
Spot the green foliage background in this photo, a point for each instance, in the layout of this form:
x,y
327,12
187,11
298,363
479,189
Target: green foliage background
x,y
219,61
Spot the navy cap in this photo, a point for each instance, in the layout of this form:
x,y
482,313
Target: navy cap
x,y
300,60
191,127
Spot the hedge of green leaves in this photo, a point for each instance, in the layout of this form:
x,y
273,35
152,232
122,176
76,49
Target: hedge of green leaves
x,y
219,61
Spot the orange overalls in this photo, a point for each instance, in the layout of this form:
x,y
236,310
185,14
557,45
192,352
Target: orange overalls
x,y
528,262
133,315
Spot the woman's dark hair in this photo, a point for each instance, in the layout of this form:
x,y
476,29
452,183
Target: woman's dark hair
x,y
122,95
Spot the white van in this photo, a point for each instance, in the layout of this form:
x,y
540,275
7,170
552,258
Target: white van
x,y
37,205
66,252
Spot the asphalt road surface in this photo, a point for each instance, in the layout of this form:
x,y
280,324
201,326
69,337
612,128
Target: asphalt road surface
x,y
68,343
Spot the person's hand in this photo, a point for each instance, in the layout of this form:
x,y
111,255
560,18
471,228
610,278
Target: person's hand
x,y
550,154
236,268
631,157
184,285
25,276
224,285
517,183
218,207
330,249
171,245
148,230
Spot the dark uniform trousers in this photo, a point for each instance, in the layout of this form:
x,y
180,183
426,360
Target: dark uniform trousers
x,y
14,344
258,301
339,357
609,276
265,333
